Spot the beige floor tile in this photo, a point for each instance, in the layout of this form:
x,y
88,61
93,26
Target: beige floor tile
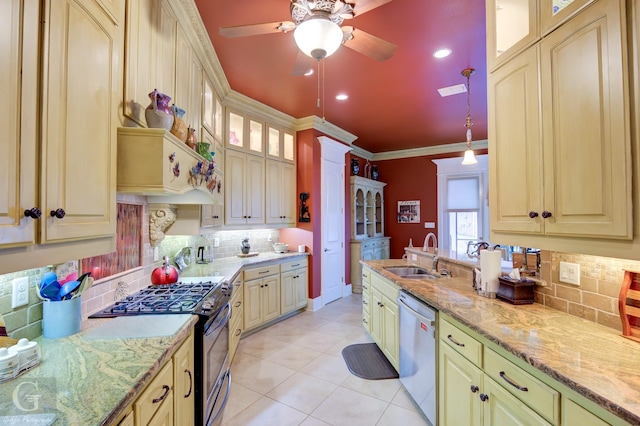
x,y
404,400
293,356
267,412
394,416
240,398
285,331
302,392
327,367
336,349
350,408
317,341
311,421
340,330
257,374
385,390
260,344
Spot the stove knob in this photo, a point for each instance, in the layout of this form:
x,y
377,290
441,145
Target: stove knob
x,y
206,306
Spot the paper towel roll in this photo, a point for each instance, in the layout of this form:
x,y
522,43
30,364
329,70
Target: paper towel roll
x,y
490,267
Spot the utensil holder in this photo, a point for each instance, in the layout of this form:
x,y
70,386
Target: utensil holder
x,y
61,318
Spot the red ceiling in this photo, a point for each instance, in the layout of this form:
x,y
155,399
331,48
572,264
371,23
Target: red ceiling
x,y
393,104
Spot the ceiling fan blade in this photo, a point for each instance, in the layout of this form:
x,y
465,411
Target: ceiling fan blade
x,y
303,64
368,44
257,29
363,6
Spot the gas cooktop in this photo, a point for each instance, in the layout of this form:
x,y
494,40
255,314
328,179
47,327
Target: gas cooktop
x,y
179,298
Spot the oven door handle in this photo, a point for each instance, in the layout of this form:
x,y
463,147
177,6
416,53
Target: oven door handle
x,y
215,416
212,328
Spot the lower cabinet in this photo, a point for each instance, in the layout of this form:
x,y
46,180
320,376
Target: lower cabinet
x,y
384,317
478,385
155,405
293,285
261,295
367,249
366,299
183,381
236,323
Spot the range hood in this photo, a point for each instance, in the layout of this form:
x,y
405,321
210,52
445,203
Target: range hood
x,y
155,163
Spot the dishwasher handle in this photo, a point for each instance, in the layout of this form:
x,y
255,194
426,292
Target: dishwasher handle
x,y
430,322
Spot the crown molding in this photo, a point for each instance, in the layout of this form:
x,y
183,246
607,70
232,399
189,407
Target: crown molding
x,y
362,153
322,125
429,150
254,108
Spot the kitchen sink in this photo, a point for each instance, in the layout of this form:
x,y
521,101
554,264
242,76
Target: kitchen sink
x,y
411,272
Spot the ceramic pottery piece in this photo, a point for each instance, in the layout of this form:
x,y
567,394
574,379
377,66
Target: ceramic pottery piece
x,y
158,114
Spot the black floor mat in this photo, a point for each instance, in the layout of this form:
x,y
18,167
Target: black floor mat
x,y
367,361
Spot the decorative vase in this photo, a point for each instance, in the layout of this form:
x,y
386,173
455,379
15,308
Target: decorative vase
x,y
158,114
192,139
374,172
355,167
245,246
179,129
203,149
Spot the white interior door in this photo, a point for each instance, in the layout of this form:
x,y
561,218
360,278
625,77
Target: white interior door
x,y
333,262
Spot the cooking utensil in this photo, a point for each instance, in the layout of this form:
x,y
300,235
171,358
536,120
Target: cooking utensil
x,y
71,277
67,288
51,290
47,278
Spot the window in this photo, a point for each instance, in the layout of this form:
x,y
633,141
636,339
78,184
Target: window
x,y
462,203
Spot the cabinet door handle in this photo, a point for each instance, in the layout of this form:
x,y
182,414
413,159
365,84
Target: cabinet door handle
x,y
455,342
546,214
512,383
483,397
58,213
533,214
264,272
163,396
238,304
238,332
365,321
294,266
33,213
381,305
474,388
186,370
365,287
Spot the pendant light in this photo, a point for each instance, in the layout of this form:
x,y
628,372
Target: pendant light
x,y
469,157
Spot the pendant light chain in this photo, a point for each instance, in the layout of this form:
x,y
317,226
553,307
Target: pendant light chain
x,y
318,102
468,73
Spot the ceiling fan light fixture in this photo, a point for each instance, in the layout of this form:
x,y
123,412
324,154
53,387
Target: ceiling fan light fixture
x,y
318,37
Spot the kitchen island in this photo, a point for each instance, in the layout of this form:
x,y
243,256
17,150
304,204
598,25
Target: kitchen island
x,y
590,359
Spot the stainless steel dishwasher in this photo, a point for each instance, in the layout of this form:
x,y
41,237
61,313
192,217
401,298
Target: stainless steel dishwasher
x,y
418,352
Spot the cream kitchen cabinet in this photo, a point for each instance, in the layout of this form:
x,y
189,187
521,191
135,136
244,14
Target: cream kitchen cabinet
x,y
281,144
151,37
244,133
212,215
294,283
65,184
211,110
385,320
514,25
280,193
155,406
366,299
183,381
244,193
261,295
574,179
367,208
189,82
236,326
368,249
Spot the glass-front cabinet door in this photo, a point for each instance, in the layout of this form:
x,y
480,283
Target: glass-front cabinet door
x,y
512,25
281,145
359,221
255,137
235,126
555,12
244,133
273,143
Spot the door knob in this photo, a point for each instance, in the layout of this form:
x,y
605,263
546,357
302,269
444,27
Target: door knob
x,y
327,249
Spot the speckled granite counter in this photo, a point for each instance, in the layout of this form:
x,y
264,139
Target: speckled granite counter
x,y
592,359
91,381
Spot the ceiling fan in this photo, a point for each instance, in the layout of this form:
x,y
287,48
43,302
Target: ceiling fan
x,y
317,30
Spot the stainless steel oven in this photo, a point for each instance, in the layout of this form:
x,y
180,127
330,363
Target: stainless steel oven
x,y
215,371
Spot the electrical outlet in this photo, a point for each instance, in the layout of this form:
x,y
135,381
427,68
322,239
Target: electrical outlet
x,y
570,273
20,292
430,225
269,238
156,254
216,242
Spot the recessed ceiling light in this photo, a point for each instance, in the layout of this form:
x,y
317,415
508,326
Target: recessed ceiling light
x,y
310,72
442,53
342,97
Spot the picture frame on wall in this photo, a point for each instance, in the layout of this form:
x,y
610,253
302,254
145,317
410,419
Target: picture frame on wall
x,y
409,211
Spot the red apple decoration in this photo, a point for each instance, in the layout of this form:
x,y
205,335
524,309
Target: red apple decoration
x,y
166,274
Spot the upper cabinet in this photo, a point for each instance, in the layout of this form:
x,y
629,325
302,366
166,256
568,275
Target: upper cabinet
x,y
367,208
245,133
513,25
561,151
211,110
281,144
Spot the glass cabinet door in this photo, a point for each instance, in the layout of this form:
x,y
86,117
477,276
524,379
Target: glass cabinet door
x,y
370,220
273,143
379,229
512,25
359,214
235,125
288,147
555,12
217,119
255,136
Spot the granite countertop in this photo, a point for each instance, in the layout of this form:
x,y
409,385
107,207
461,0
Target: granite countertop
x,y
594,360
87,380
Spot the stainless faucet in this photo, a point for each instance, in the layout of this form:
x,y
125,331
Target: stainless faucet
x,y
427,239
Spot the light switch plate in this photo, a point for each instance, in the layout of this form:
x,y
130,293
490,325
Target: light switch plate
x,y
19,292
216,242
430,225
570,273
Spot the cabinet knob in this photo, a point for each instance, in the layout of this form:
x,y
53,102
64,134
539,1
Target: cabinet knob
x,y
33,213
546,214
474,388
58,213
483,397
533,214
